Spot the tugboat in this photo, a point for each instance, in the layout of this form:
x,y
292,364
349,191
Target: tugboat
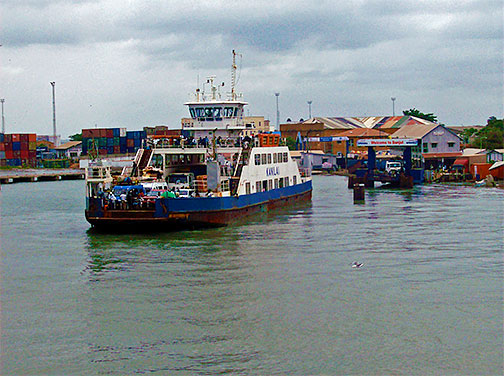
x,y
208,176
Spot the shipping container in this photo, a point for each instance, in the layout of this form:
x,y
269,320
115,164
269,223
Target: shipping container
x,y
32,145
102,142
137,142
2,146
24,154
3,162
130,143
8,138
2,154
9,154
32,154
110,141
102,151
32,137
110,149
23,137
15,137
16,153
16,146
25,145
7,145
2,137
110,133
116,149
116,141
123,141
123,149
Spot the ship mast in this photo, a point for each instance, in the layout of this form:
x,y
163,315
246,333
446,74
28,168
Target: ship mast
x,y
233,77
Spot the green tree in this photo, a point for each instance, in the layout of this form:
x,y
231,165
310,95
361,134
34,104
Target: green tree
x,y
467,134
76,137
291,143
414,112
492,136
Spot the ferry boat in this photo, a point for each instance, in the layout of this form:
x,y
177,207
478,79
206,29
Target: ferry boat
x,y
208,176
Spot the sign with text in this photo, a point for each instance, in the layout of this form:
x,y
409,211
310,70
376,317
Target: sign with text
x,y
326,139
388,142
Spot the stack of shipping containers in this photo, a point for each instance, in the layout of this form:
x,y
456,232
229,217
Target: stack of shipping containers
x,y
18,149
112,141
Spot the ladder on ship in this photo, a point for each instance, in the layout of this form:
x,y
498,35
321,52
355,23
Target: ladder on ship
x,y
142,158
243,157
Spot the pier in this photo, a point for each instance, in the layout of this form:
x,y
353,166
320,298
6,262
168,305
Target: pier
x,y
23,176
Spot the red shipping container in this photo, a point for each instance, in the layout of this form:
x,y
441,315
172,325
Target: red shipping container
x,y
110,133
8,138
23,137
32,137
25,145
3,162
117,149
130,143
102,151
24,154
2,146
32,154
480,169
9,154
8,145
103,132
15,137
16,154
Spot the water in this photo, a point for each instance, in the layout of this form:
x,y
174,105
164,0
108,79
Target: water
x,y
273,296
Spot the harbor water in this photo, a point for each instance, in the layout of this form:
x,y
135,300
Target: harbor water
x,y
274,295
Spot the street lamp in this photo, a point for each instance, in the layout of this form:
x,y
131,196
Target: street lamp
x,y
309,108
3,118
54,111
278,112
393,105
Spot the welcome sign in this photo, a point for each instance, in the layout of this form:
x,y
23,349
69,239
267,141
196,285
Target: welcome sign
x,y
388,142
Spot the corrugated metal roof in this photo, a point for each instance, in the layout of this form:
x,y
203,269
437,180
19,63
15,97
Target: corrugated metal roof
x,y
415,131
68,145
363,132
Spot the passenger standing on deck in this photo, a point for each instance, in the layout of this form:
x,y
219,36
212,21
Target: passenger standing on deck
x,y
112,200
123,200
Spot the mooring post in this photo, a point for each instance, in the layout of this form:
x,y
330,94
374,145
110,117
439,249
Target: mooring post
x,y
359,194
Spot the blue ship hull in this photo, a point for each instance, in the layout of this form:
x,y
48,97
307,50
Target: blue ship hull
x,y
178,213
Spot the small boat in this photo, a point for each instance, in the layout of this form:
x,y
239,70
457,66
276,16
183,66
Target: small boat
x,y
213,174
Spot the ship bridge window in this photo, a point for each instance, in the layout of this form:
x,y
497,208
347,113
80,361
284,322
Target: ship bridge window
x,y
192,112
217,113
208,114
285,157
274,157
257,159
269,158
228,112
263,159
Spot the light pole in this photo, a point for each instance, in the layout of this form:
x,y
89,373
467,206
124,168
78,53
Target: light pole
x,y
54,111
3,118
309,109
393,105
278,112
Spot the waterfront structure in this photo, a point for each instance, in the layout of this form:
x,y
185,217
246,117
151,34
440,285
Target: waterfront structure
x,y
70,150
495,155
438,146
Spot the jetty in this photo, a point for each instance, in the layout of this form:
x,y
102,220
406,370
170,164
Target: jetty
x,y
35,175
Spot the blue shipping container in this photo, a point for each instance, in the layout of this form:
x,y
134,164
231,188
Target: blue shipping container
x,y
1,137
129,135
122,149
137,142
122,141
110,142
117,132
110,149
16,146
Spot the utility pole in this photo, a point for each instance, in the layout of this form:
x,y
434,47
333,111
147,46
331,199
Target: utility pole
x,y
393,105
309,109
278,112
3,118
54,111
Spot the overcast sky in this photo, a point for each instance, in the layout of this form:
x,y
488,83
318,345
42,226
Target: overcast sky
x,y
131,63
